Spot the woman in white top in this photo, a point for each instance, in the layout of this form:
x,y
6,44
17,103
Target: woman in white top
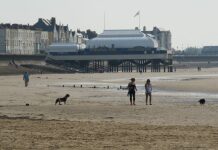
x,y
148,91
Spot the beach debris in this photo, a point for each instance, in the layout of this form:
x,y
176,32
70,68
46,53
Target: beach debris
x,y
27,104
109,117
202,101
123,87
90,86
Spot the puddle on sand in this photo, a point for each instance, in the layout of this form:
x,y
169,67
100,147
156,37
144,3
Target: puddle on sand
x,y
115,86
167,78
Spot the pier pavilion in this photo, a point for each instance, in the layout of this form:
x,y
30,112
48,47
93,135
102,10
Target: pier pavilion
x,y
115,51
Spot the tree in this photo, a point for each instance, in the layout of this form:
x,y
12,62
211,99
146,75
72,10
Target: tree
x,y
82,32
91,34
88,33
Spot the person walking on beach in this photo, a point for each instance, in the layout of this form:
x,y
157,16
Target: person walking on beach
x,y
131,91
26,78
148,91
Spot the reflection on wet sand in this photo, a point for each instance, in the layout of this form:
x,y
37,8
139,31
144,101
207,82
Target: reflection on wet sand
x,y
113,85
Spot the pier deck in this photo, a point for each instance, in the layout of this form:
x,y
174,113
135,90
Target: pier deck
x,y
114,63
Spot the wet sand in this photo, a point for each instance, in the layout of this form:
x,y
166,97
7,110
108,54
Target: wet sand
x,y
101,118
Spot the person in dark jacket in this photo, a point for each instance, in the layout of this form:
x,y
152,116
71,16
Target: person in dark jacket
x,y
131,91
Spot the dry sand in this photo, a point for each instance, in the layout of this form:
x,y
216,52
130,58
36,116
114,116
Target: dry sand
x,y
101,118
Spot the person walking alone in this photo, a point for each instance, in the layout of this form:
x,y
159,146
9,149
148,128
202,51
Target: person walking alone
x,y
148,91
131,91
26,78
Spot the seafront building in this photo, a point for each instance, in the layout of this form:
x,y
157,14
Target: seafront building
x,y
22,39
122,39
162,36
113,51
35,39
210,50
57,33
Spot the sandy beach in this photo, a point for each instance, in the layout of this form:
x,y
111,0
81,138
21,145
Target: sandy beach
x,y
101,117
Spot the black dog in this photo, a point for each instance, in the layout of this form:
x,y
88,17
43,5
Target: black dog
x,y
202,101
63,99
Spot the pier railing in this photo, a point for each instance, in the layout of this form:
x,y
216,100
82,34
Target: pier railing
x,y
111,57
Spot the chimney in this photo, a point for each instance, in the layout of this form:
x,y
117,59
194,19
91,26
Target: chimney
x,y
144,28
53,21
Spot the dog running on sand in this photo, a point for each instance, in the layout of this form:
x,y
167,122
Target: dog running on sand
x,y
63,99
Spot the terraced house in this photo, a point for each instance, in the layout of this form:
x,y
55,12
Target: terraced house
x,y
57,33
33,39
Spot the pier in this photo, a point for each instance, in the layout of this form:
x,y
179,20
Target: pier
x,y
115,63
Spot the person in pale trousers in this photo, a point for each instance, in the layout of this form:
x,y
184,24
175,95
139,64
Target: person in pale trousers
x,y
148,91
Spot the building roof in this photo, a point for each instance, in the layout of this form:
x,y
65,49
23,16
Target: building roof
x,y
120,33
162,29
122,39
210,48
46,21
16,26
49,25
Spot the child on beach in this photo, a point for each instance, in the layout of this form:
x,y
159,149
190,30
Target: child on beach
x,y
26,78
148,90
131,91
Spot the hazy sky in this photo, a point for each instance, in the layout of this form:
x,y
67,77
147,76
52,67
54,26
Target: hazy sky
x,y
191,22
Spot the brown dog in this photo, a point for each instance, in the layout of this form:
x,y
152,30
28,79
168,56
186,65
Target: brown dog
x,y
63,99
